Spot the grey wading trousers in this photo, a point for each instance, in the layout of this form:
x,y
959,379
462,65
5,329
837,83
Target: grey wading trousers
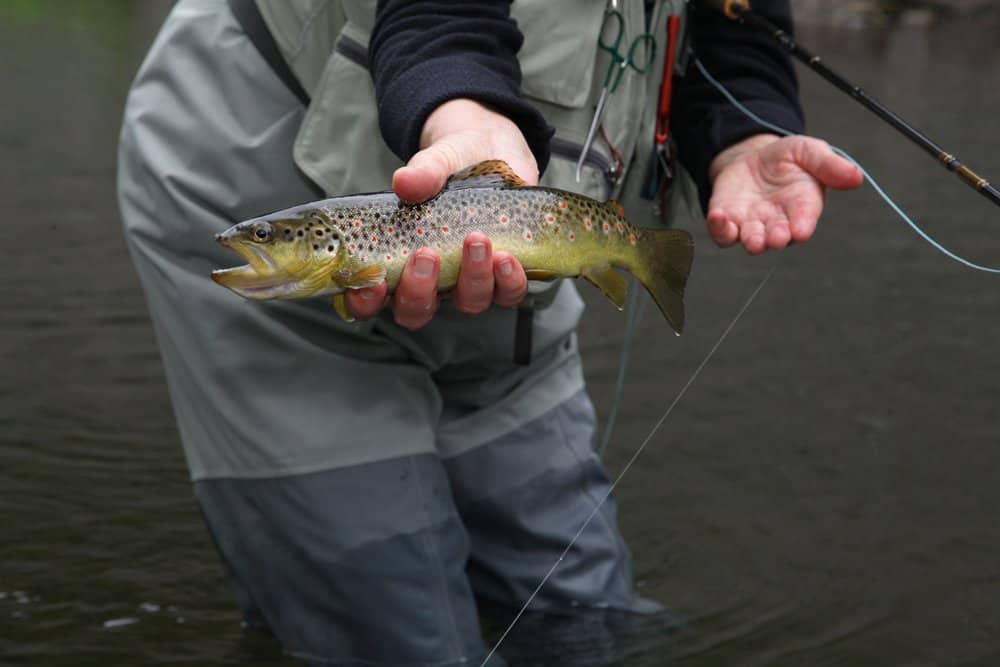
x,y
362,483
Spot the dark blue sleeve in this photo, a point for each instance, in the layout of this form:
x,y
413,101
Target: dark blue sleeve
x,y
755,69
423,53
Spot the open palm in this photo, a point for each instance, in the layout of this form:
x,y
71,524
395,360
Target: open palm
x,y
768,192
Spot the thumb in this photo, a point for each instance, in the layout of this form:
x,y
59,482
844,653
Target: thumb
x,y
816,157
426,172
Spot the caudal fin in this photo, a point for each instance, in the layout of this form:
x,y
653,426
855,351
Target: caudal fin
x,y
664,262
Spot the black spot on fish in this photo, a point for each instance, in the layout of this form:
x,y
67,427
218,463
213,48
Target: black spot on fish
x,y
329,248
315,247
300,233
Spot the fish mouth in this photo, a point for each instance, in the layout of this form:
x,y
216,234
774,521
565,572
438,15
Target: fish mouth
x,y
260,279
250,284
257,257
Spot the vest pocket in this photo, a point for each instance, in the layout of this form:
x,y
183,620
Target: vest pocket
x,y
339,145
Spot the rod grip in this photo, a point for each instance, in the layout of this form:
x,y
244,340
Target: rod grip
x,y
733,9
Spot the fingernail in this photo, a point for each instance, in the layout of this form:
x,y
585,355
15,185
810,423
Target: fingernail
x,y
506,267
423,266
477,252
367,294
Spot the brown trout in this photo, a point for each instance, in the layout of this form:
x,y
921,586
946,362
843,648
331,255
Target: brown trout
x,y
330,246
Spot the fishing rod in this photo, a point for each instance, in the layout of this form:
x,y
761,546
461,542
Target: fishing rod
x,y
739,10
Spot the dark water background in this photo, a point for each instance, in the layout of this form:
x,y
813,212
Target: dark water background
x,y
826,493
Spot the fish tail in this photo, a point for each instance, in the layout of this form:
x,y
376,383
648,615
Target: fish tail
x,y
662,265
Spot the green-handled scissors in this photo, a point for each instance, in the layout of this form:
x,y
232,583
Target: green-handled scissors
x,y
639,58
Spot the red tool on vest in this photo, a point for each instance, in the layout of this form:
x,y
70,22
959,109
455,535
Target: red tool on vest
x,y
667,83
661,170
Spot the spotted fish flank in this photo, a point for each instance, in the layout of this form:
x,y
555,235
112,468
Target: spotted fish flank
x,y
358,241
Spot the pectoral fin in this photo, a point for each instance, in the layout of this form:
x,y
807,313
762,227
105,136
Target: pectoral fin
x,y
370,276
340,305
611,283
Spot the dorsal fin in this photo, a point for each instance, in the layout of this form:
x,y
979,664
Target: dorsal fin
x,y
616,206
486,174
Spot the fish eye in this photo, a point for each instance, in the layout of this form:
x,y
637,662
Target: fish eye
x,y
262,233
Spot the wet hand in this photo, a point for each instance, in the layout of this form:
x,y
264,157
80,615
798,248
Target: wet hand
x,y
456,134
768,191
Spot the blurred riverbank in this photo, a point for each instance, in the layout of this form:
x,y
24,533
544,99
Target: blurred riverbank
x,y
880,13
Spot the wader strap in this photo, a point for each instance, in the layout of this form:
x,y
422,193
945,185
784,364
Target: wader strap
x,y
249,18
522,335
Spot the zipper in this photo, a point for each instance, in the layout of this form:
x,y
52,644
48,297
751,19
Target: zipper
x,y
357,53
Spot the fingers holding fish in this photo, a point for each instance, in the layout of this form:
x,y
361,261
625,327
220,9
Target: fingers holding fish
x,y
486,278
511,284
474,290
416,298
367,302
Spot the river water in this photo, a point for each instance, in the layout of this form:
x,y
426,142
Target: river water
x,y
824,494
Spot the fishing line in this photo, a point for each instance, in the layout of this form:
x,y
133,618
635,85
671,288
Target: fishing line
x,y
868,177
628,465
636,307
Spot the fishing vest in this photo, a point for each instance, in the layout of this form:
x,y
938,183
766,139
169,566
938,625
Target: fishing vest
x,y
339,146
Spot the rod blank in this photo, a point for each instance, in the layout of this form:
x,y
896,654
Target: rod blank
x,y
739,10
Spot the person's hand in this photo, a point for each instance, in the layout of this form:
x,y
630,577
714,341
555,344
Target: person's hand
x,y
457,134
768,192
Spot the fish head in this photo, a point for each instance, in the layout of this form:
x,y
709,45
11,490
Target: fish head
x,y
287,258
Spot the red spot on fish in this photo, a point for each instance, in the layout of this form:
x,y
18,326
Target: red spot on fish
x,y
550,218
388,257
607,227
504,219
420,232
389,229
357,223
631,239
562,204
572,236
619,227
527,235
524,204
374,238
472,210
404,252
587,223
445,229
